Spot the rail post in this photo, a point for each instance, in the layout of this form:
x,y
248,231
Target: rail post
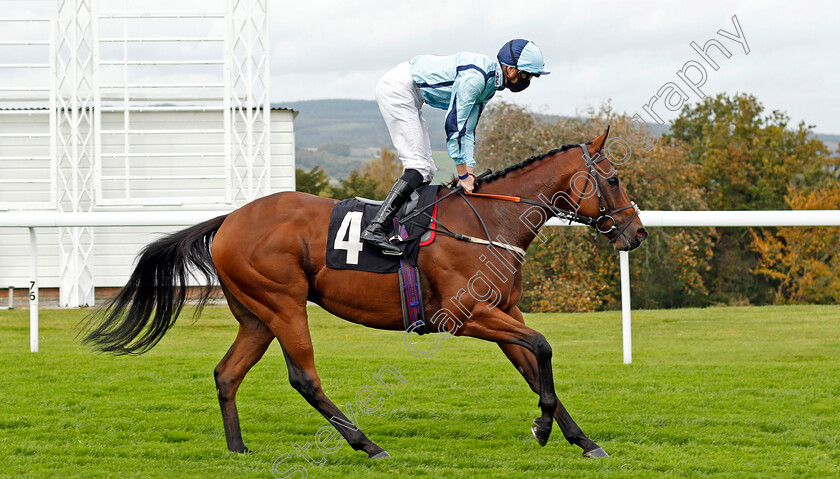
x,y
624,261
33,291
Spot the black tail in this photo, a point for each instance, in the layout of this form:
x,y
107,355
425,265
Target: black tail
x,y
157,287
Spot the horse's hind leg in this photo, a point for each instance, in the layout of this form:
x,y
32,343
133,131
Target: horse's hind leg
x,y
286,316
250,344
526,364
305,380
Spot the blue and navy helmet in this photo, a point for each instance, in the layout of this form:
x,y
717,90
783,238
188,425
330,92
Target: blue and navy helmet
x,y
524,55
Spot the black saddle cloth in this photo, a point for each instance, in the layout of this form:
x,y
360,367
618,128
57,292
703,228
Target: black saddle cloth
x,y
345,249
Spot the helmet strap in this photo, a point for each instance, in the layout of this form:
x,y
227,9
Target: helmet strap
x,y
512,58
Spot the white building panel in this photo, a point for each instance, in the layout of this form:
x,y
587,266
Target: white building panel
x,y
26,175
166,168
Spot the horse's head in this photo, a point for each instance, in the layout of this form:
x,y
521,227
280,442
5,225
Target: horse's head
x,y
603,199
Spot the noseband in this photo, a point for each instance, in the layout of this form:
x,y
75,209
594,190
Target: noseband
x,y
605,209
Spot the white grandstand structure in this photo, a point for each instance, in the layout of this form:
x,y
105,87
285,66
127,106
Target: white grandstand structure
x,y
111,106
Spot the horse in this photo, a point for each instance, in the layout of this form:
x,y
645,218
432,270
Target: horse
x,y
269,259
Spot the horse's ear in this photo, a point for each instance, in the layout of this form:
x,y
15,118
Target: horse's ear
x,y
598,143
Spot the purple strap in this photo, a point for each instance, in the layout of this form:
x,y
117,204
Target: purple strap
x,y
412,291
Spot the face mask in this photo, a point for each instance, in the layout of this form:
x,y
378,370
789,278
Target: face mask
x,y
519,85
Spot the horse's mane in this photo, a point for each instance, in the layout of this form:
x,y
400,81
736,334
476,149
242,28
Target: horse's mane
x,y
522,164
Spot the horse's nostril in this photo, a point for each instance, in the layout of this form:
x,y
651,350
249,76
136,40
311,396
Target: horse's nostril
x,y
641,234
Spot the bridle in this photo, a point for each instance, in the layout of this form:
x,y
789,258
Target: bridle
x,y
605,209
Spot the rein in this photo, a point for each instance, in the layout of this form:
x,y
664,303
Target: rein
x,y
459,236
559,212
573,216
605,209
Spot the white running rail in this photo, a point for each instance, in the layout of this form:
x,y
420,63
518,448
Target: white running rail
x,y
49,219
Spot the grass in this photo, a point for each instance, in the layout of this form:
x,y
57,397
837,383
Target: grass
x,y
732,392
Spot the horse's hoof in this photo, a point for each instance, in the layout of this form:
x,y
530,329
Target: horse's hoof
x,y
381,455
597,452
540,433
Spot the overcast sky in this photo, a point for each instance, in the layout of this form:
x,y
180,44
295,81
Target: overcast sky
x,y
596,50
624,51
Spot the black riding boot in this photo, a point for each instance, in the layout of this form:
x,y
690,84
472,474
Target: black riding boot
x,y
377,231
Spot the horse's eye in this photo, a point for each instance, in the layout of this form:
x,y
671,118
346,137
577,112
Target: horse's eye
x,y
613,181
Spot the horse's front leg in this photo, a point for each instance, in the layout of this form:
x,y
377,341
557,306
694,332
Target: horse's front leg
x,y
526,364
499,327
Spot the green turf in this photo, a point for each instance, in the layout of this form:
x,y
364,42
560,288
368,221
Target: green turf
x,y
731,392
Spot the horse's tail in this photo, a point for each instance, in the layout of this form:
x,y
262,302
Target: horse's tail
x,y
135,320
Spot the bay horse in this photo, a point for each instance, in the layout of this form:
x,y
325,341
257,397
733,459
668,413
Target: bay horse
x,y
269,259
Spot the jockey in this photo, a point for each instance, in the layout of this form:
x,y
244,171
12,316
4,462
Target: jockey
x,y
461,84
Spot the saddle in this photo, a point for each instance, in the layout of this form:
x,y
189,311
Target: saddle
x,y
345,249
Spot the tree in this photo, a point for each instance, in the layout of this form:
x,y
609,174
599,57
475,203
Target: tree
x,y
802,263
507,134
356,184
384,171
746,161
373,180
315,181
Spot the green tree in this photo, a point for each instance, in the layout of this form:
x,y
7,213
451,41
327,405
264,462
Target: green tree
x,y
723,153
747,161
315,181
373,180
384,171
356,184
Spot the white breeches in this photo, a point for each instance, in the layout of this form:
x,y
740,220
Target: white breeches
x,y
400,102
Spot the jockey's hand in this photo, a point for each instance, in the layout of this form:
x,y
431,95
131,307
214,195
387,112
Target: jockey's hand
x,y
468,184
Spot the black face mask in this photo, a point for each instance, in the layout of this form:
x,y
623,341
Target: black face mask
x,y
519,85
524,78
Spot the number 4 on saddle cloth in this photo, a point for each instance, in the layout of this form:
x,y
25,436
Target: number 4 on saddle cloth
x,y
346,250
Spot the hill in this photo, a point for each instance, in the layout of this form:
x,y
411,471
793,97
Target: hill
x,y
355,123
341,135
